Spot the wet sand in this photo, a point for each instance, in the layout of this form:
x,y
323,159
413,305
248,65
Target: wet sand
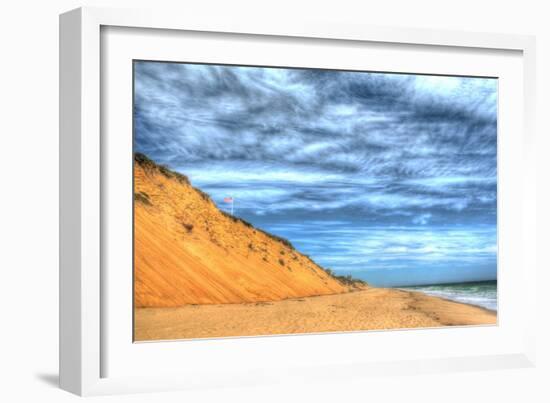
x,y
371,309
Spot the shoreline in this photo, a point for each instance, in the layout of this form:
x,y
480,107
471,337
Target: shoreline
x,y
493,311
363,310
487,310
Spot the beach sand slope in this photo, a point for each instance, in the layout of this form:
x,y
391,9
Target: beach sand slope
x,y
188,251
371,309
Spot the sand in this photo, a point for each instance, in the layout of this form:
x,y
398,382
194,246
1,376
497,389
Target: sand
x,y
371,309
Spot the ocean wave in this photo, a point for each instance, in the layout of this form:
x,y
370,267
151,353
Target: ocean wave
x,y
479,294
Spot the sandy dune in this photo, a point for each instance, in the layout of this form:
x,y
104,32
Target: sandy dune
x,y
187,251
374,308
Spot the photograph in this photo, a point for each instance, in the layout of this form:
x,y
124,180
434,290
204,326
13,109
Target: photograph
x,y
272,200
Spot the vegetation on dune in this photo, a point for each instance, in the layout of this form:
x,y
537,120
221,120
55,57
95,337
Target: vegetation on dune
x,y
143,160
148,163
205,196
188,227
348,280
282,240
237,219
142,197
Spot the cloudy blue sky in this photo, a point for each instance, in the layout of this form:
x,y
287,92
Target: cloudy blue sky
x,y
388,177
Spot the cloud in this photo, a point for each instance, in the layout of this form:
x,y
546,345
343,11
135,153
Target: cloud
x,y
422,219
420,140
315,145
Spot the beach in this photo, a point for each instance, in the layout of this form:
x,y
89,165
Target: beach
x,y
369,309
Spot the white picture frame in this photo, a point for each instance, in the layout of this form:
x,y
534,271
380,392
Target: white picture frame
x,y
86,345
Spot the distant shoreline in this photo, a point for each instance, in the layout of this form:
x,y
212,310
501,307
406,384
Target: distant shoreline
x,y
480,293
351,311
493,311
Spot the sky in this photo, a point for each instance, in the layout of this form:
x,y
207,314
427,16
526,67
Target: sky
x,y
391,178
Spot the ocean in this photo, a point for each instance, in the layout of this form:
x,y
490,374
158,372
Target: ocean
x,y
482,293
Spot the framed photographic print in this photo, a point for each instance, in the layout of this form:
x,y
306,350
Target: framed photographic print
x,y
237,198
273,200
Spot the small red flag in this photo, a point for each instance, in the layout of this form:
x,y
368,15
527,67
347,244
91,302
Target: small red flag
x,y
228,199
